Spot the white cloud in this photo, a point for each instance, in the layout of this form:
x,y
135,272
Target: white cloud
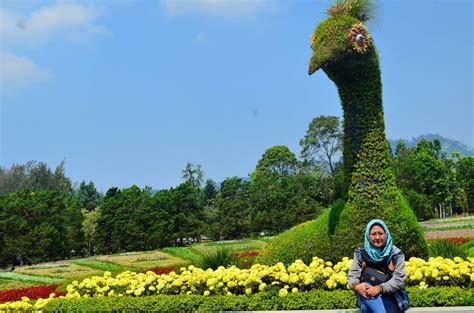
x,y
17,72
221,8
62,17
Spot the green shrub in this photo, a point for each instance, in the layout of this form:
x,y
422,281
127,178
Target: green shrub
x,y
318,299
468,248
214,259
295,243
445,249
335,234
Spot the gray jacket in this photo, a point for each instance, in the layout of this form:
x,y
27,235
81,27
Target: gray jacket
x,y
398,275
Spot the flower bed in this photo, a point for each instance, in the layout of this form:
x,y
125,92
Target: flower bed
x,y
294,278
449,233
259,279
31,292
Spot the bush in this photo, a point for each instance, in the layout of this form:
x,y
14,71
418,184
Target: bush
x,y
318,299
336,233
214,259
445,249
295,243
468,248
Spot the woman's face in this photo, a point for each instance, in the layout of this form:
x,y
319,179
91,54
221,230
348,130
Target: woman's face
x,y
377,236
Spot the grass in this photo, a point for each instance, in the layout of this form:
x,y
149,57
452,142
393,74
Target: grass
x,y
449,227
233,246
102,265
64,271
143,261
449,220
468,248
28,278
215,258
183,252
16,284
445,249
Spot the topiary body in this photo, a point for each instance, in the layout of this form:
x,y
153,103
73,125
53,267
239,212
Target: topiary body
x,y
344,50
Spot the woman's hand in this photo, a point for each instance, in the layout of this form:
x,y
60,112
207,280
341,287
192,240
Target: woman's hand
x,y
362,289
372,291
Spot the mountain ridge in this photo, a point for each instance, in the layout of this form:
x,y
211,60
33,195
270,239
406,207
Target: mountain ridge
x,y
448,145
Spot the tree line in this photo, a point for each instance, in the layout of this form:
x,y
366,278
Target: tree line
x,y
45,217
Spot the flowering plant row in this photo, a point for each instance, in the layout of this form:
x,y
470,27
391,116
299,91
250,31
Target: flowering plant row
x,y
440,272
35,292
294,278
259,278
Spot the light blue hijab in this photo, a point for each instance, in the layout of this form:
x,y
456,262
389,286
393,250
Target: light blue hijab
x,y
377,254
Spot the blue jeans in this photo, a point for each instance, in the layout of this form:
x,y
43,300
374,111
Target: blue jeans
x,y
378,304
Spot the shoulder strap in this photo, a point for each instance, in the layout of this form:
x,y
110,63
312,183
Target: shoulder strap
x,y
387,267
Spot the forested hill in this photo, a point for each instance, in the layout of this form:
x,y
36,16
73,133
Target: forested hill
x,y
448,145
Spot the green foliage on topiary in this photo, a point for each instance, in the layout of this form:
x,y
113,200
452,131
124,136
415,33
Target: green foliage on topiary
x,y
344,50
299,242
268,301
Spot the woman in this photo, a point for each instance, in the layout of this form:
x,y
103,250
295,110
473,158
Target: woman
x,y
378,271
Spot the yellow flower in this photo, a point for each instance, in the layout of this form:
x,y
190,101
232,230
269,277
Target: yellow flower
x,y
283,292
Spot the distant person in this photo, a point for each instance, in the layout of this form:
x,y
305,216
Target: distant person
x,y
19,260
377,273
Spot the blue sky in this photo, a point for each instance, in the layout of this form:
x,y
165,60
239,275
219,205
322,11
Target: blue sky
x,y
127,92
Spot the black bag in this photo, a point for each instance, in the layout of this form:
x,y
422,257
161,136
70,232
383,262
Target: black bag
x,y
373,276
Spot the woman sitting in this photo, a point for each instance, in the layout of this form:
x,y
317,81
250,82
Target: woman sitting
x,y
378,271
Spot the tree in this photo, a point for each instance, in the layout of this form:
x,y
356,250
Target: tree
x,y
277,159
34,176
186,211
322,142
193,174
232,216
465,176
89,227
33,224
87,196
210,191
125,219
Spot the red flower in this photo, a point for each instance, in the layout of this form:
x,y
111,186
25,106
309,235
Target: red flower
x,y
457,240
247,254
33,293
160,271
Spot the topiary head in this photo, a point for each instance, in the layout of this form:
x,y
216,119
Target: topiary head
x,y
342,34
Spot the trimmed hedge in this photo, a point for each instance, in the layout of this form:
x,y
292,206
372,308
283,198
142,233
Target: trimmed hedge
x,y
318,299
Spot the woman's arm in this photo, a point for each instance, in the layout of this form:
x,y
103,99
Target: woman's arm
x,y
353,276
397,281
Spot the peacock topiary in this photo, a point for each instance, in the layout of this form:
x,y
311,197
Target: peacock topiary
x,y
345,51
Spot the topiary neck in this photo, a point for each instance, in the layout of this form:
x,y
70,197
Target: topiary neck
x,y
360,88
